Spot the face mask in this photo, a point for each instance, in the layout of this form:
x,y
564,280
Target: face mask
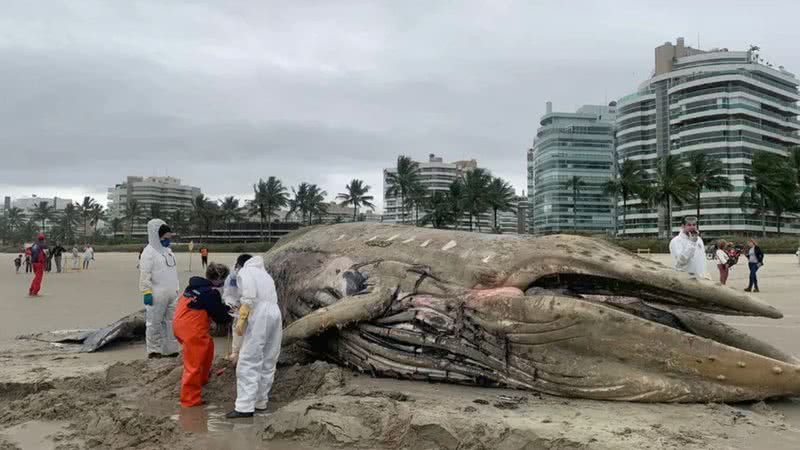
x,y
165,243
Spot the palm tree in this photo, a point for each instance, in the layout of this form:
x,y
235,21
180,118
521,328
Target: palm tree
x,y
70,218
356,196
230,212
85,210
205,211
402,181
576,185
706,173
178,219
455,195
417,198
15,217
116,225
299,203
154,211
439,210
794,162
97,215
270,197
132,213
770,187
476,184
315,203
43,212
500,197
628,182
672,185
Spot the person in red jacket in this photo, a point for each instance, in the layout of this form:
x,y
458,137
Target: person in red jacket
x,y
200,303
38,257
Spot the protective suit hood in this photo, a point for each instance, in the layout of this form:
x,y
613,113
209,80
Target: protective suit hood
x,y
152,235
255,261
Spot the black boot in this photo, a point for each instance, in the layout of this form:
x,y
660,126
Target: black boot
x,y
238,415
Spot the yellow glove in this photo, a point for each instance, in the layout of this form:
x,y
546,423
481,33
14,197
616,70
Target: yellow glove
x,y
244,312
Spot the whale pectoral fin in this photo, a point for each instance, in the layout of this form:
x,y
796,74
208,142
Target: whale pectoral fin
x,y
350,309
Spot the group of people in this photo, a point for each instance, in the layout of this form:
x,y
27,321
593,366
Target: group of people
x,y
245,298
688,255
39,258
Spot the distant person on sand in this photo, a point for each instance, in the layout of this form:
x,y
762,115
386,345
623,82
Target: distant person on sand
x,y
687,250
204,256
28,267
721,256
158,282
88,255
200,303
38,256
58,254
755,259
75,258
18,263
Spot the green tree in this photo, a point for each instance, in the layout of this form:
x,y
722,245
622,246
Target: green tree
x,y
770,187
417,199
204,213
355,195
43,212
671,186
116,225
402,181
455,195
576,185
270,197
15,218
476,184
132,214
85,210
315,203
706,173
626,184
439,210
794,163
500,197
97,215
230,213
298,204
155,211
70,218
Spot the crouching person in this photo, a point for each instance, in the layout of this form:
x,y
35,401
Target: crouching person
x,y
200,303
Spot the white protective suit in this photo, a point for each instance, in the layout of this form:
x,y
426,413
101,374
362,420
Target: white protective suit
x,y
230,296
262,337
159,275
688,256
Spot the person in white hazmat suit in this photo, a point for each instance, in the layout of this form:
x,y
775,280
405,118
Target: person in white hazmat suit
x,y
260,325
687,249
231,297
158,281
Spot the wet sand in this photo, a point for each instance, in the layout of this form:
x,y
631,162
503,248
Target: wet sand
x,y
108,291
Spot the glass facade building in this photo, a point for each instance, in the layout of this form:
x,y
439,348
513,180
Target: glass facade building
x,y
568,145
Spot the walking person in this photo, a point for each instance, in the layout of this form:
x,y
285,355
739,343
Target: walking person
x,y
260,325
75,258
18,263
204,256
755,259
48,262
88,256
58,254
158,281
687,249
200,303
721,256
38,256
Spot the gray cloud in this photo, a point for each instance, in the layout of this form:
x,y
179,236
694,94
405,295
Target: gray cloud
x,y
222,93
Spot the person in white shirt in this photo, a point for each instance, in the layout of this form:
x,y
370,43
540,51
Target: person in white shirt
x,y
687,249
721,256
158,282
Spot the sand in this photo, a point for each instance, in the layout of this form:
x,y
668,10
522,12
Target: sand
x,y
52,397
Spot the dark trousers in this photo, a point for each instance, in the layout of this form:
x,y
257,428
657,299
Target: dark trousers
x,y
58,264
753,279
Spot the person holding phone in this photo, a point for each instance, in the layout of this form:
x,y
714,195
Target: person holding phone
x,y
687,249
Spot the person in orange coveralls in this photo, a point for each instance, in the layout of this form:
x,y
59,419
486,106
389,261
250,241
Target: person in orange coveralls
x,y
200,303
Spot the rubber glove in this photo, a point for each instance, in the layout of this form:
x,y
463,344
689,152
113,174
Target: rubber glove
x,y
244,312
148,298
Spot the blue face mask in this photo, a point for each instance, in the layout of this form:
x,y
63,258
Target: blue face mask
x,y
165,243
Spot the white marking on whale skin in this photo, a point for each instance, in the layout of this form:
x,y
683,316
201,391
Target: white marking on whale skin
x,y
425,244
489,257
393,237
408,240
372,238
339,238
449,245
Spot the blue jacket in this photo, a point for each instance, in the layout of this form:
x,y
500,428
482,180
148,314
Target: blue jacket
x,y
202,295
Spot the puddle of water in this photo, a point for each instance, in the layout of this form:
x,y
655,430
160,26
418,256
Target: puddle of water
x,y
34,435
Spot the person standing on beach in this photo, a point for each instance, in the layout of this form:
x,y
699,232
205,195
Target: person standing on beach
x,y
88,256
38,256
721,255
687,250
28,268
18,263
75,258
58,252
755,259
158,282
204,256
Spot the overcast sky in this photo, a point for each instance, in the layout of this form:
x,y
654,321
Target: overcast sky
x,y
220,93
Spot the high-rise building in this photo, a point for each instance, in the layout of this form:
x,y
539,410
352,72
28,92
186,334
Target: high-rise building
x,y
166,194
727,104
434,175
568,145
28,203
